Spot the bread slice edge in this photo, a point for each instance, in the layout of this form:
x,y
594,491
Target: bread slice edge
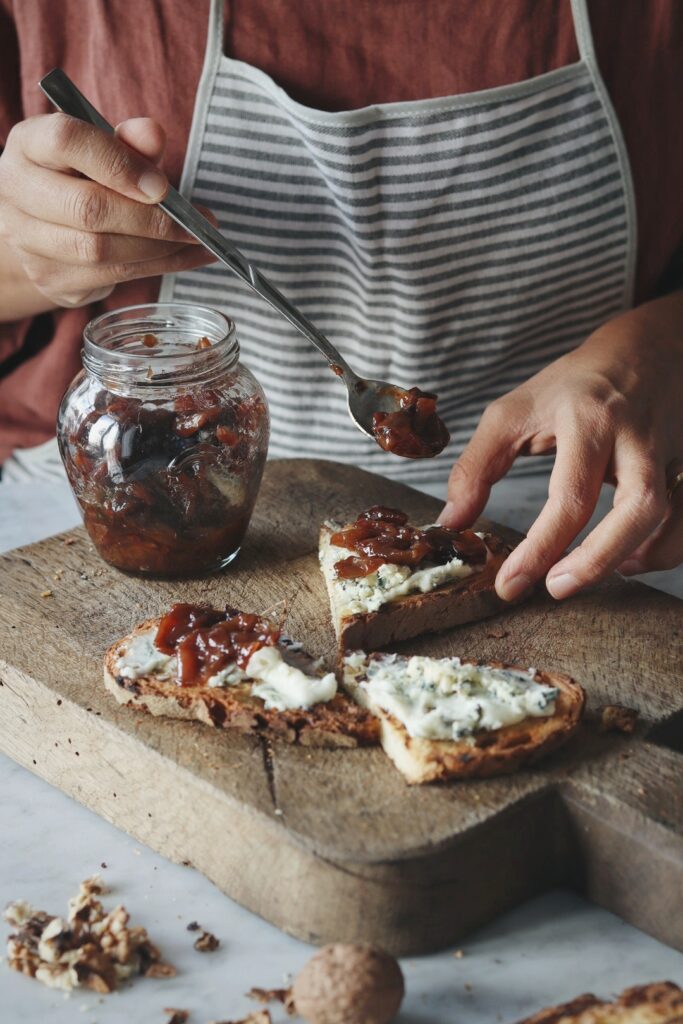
x,y
470,599
336,723
490,752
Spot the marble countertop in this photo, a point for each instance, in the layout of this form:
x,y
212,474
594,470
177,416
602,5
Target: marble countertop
x,y
546,951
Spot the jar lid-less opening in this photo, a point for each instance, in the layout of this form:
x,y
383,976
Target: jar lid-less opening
x,y
160,343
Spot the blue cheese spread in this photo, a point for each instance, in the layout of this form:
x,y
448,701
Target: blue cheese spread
x,y
279,685
369,593
142,658
282,686
445,699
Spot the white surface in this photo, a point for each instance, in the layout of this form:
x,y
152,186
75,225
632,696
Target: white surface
x,y
547,951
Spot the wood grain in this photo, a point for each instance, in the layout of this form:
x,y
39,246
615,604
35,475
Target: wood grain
x,y
333,844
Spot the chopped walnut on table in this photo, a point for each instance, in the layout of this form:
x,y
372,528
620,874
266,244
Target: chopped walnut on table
x,y
176,1016
272,995
260,1017
90,948
206,943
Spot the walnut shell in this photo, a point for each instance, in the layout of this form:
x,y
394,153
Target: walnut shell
x,y
347,984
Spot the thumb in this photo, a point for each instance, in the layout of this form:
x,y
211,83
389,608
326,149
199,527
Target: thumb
x,y
144,135
488,456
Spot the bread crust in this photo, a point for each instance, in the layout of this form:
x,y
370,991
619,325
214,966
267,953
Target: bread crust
x,y
337,723
658,1003
452,604
489,752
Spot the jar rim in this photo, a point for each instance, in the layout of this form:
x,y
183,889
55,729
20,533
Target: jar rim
x,y
105,338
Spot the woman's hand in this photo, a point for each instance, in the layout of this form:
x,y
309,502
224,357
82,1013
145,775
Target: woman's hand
x,y
78,208
613,410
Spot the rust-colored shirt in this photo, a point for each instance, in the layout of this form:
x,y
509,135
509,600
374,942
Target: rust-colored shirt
x,y
134,59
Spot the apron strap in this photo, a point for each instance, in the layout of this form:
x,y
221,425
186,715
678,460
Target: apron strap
x,y
214,39
584,36
212,55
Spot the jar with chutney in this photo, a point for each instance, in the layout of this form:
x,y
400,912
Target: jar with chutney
x,y
164,436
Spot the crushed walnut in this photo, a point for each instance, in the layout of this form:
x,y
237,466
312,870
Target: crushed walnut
x,y
260,1017
90,948
206,943
176,1016
273,995
617,718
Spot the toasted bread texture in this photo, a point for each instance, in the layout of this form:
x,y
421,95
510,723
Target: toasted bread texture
x,y
451,604
657,1003
339,722
487,752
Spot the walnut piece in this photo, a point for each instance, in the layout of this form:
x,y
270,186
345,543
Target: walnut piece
x,y
90,948
272,995
160,970
206,943
260,1017
176,1016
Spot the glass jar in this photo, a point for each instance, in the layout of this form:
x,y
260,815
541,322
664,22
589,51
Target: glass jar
x,y
164,436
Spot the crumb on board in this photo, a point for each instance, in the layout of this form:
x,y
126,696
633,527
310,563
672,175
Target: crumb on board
x,y
68,541
46,593
89,948
193,926
617,718
497,632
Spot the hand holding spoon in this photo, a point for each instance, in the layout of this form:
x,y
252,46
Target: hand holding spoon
x,y
403,422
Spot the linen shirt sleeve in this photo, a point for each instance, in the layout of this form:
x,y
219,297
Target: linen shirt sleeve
x,y
10,78
12,335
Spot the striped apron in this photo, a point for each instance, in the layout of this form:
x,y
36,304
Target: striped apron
x,y
458,244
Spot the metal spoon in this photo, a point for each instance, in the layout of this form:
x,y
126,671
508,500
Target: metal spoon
x,y
365,397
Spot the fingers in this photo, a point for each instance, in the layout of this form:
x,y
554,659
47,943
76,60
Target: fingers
x,y
86,206
144,135
73,286
84,248
77,237
64,143
500,435
573,493
639,507
663,549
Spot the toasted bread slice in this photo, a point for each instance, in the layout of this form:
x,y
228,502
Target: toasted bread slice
x,y
657,1003
338,722
468,599
485,751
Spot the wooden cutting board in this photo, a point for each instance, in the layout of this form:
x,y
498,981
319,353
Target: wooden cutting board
x,y
333,844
